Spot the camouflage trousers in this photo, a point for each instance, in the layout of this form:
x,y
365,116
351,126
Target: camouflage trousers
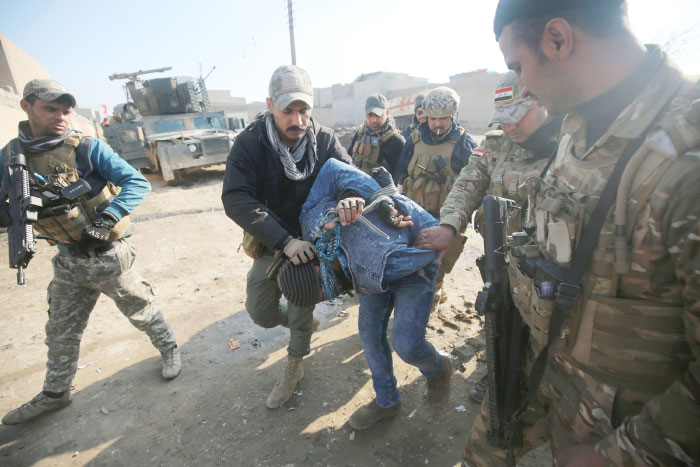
x,y
72,294
572,407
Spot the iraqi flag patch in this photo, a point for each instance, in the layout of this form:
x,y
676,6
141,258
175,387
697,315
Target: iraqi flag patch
x,y
503,95
478,152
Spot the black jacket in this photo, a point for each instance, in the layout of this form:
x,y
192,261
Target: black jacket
x,y
389,151
257,194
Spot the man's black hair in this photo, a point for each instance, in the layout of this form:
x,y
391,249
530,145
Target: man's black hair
x,y
63,100
598,21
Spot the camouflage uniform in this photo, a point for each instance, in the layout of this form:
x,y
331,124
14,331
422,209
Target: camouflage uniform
x,y
513,165
77,283
625,375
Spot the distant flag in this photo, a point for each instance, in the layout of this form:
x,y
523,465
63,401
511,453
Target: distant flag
x,y
104,111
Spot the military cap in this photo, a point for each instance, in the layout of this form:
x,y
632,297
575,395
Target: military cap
x,y
47,89
508,11
508,105
288,84
376,104
441,102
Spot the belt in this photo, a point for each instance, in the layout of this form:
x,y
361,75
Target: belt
x,y
92,253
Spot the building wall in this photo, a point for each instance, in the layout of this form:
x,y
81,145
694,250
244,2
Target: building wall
x,y
349,99
475,91
17,68
223,97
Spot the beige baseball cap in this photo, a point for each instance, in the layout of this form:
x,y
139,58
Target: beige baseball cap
x,y
509,106
376,104
47,89
288,84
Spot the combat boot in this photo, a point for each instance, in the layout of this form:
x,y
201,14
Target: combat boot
x,y
438,394
35,407
172,363
372,413
478,392
284,387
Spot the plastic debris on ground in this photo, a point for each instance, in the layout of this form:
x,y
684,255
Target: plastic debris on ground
x,y
461,408
233,345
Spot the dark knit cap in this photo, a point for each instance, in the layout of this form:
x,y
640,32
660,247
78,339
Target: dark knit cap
x,y
419,101
508,11
301,285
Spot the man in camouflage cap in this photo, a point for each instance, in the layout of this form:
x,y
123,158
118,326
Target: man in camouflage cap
x,y
269,174
431,159
500,166
617,213
378,142
90,232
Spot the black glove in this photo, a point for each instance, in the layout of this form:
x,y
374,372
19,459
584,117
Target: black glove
x,y
382,176
5,218
99,230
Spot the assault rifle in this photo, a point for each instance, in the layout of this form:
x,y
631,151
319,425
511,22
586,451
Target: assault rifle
x,y
24,210
504,332
435,175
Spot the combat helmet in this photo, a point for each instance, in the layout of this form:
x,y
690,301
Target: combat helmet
x,y
441,102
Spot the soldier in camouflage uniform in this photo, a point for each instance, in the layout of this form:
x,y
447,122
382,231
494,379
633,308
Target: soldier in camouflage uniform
x,y
622,379
378,142
433,155
500,166
93,255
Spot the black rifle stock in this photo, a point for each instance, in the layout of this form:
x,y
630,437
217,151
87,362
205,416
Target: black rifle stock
x,y
503,328
23,211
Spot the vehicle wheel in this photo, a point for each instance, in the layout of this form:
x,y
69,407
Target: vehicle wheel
x,y
178,180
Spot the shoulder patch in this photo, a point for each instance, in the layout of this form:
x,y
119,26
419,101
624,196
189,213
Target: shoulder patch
x,y
494,134
478,152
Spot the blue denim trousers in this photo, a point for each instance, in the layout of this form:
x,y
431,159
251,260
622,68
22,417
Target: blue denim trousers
x,y
411,299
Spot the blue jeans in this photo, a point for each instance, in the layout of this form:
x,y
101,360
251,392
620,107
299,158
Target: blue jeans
x,y
411,297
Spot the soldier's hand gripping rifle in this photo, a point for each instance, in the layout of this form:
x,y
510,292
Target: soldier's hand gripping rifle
x,y
24,210
503,330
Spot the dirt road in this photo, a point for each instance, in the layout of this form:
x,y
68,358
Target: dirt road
x,y
124,414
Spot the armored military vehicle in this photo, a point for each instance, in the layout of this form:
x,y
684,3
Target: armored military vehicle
x,y
168,127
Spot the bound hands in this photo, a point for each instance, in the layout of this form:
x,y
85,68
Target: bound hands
x,y
436,238
349,208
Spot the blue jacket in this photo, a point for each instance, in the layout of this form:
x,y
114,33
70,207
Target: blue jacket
x,y
365,251
97,163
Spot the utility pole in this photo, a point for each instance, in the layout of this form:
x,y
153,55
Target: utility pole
x,y
291,32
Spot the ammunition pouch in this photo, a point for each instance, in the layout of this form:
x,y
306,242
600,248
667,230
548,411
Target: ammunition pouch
x,y
251,247
422,186
365,152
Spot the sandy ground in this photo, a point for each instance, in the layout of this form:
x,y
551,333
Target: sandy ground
x,y
124,414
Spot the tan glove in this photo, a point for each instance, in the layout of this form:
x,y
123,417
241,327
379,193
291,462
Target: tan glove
x,y
349,208
299,251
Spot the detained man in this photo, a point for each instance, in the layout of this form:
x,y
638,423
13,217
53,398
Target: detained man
x,y
394,277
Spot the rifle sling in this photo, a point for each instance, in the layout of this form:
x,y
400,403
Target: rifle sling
x,y
569,289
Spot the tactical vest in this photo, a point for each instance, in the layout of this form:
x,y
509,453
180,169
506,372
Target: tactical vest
x,y
509,177
419,185
637,345
58,166
365,152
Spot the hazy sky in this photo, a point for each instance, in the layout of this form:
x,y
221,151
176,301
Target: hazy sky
x,y
82,42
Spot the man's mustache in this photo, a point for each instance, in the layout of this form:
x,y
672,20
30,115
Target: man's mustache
x,y
295,128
